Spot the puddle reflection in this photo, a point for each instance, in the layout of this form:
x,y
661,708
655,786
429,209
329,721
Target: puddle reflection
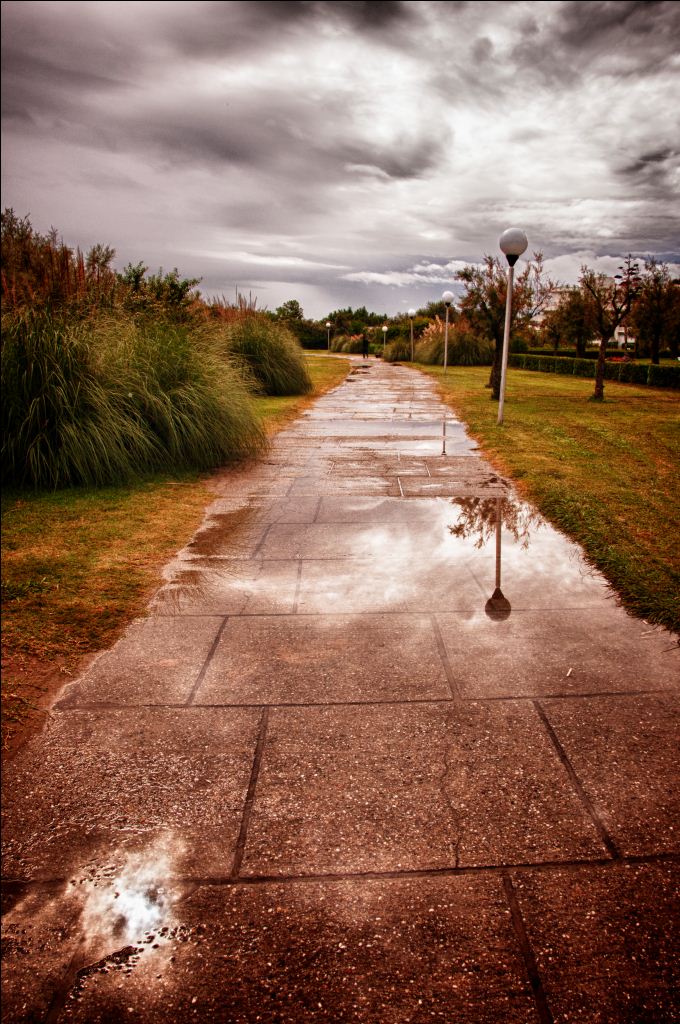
x,y
435,554
132,904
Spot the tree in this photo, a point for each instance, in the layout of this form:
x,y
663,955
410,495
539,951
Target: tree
x,y
569,322
655,318
289,311
483,303
609,301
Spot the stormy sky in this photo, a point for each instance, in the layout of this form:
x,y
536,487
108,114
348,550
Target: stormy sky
x,y
345,152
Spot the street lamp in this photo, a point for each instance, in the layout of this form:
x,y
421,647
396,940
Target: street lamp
x,y
513,243
328,328
448,299
411,314
384,330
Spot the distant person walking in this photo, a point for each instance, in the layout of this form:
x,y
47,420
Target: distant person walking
x,y
364,345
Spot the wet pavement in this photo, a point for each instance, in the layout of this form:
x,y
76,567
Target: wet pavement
x,y
385,749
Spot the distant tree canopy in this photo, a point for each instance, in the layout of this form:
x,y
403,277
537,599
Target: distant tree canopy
x,y
655,316
289,311
569,322
483,302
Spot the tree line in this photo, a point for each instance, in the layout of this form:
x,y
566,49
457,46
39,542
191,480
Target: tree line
x,y
644,299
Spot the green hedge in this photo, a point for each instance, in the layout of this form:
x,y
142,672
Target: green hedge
x,y
625,372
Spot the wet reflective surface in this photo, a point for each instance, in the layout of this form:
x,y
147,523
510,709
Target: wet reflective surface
x,y
386,748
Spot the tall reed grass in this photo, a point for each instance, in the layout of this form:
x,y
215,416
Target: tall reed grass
x,y
272,354
109,398
465,348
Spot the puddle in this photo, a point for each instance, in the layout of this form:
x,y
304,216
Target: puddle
x,y
131,903
467,553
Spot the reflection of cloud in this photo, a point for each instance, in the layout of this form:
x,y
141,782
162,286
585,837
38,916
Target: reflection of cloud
x,y
123,906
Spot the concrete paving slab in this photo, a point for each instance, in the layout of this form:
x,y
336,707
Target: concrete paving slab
x,y
40,937
392,788
445,487
325,659
363,585
625,753
556,652
345,485
229,587
157,661
605,941
366,509
236,533
98,785
227,862
360,951
273,510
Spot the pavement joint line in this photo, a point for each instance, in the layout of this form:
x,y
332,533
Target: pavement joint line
x,y
425,701
542,1008
18,885
609,843
444,657
298,583
204,668
261,541
250,795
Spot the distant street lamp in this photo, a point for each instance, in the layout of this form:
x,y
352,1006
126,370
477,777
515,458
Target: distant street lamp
x,y
384,330
328,328
513,243
411,314
448,299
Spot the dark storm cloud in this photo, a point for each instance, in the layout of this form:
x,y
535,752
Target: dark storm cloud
x,y
654,170
614,36
317,140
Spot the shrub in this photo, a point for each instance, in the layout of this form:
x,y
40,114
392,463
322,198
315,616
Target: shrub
x,y
465,347
429,348
584,368
107,399
398,350
632,373
271,353
664,376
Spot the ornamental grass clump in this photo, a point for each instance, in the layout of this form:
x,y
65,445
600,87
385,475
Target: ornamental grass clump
x,y
110,398
271,353
464,348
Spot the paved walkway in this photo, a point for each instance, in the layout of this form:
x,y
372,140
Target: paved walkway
x,y
384,751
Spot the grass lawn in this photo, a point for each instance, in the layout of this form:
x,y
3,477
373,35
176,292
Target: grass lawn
x,y
79,564
604,473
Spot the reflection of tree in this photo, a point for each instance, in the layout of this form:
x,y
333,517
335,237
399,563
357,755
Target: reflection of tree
x,y
478,516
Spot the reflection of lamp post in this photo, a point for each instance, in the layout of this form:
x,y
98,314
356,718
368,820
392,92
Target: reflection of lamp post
x,y
328,328
411,314
384,330
498,606
513,242
448,299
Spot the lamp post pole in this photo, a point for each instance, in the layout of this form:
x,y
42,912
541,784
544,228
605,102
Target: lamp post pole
x,y
448,299
384,330
411,314
328,330
513,243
